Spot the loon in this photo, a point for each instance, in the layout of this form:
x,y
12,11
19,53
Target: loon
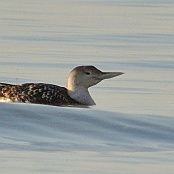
x,y
75,93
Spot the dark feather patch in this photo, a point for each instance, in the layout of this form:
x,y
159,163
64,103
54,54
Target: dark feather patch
x,y
39,93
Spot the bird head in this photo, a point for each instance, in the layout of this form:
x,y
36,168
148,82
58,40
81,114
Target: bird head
x,y
87,76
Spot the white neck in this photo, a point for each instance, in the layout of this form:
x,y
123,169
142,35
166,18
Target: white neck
x,y
81,95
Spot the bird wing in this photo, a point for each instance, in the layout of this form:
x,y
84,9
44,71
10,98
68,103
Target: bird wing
x,y
40,93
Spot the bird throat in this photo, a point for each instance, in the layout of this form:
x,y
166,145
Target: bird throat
x,y
81,95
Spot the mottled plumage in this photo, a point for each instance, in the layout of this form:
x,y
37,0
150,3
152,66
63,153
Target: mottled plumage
x,y
36,93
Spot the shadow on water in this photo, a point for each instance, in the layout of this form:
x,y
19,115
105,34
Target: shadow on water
x,y
46,128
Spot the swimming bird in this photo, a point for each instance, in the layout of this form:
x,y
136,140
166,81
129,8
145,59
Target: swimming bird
x,y
75,93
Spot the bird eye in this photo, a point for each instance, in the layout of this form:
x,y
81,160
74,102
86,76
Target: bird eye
x,y
88,73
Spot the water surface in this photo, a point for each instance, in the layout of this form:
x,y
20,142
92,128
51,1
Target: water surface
x,y
131,128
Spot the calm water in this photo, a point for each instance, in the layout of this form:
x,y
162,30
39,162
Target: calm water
x,y
41,41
